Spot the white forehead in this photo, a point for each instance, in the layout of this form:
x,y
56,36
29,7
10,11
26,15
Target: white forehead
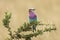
x,y
32,8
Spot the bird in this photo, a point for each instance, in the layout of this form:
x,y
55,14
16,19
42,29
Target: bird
x,y
32,18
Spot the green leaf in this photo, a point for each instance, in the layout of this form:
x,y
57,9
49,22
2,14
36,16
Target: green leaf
x,y
18,35
27,38
19,30
40,32
49,29
25,25
35,34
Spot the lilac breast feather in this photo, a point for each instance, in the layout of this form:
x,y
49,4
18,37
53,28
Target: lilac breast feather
x,y
32,15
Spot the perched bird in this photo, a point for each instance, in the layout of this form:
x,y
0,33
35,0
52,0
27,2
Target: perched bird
x,y
32,18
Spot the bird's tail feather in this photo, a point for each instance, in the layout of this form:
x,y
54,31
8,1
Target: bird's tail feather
x,y
34,28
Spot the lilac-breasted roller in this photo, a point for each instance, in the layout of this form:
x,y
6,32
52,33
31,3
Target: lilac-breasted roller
x,y
32,18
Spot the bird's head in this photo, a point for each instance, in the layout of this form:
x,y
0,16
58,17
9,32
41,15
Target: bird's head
x,y
31,9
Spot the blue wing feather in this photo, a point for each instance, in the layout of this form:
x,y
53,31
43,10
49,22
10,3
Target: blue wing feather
x,y
32,19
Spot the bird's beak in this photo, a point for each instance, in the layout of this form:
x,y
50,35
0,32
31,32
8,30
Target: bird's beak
x,y
33,9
